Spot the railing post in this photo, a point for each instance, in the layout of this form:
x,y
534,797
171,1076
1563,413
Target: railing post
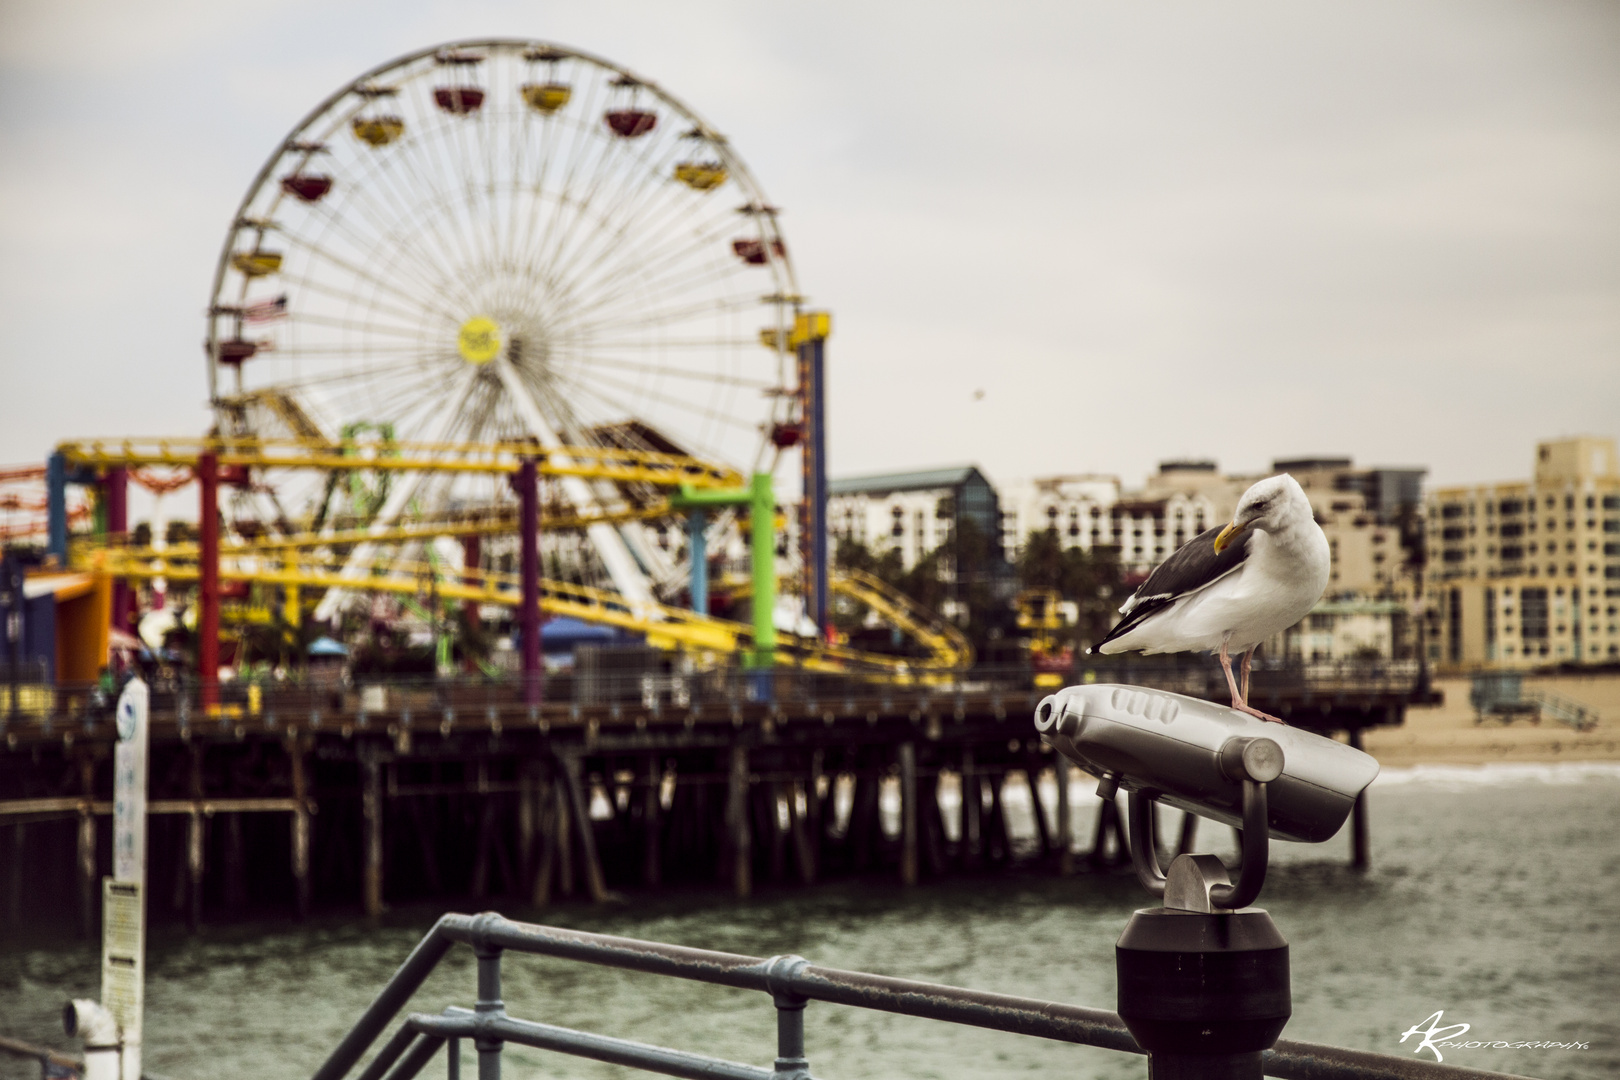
x,y
791,1064
490,1006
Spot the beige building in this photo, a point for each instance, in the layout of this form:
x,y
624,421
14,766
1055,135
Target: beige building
x,y
1091,511
1527,573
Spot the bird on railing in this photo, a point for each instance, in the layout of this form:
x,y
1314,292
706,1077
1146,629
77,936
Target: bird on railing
x,y
1232,587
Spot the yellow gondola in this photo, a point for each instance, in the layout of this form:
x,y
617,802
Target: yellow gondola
x,y
257,263
378,130
547,98
701,175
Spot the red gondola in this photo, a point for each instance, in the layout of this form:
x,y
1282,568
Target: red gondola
x,y
233,475
233,590
236,350
752,252
786,435
305,186
631,123
460,100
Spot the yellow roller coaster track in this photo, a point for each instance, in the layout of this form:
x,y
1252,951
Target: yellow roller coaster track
x,y
663,627
277,560
592,462
480,521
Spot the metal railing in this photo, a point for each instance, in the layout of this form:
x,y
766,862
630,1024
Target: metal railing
x,y
791,981
658,685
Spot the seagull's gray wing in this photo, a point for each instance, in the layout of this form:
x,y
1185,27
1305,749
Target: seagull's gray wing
x,y
1194,565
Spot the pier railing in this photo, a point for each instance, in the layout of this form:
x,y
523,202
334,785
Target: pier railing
x,y
662,690
792,983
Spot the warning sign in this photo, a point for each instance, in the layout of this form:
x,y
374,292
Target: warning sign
x,y
123,951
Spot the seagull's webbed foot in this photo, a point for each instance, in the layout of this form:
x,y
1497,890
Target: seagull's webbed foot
x,y
1245,707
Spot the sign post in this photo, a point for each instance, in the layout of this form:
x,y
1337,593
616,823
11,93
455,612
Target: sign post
x,y
123,909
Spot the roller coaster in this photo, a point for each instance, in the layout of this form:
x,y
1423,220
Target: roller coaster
x,y
313,562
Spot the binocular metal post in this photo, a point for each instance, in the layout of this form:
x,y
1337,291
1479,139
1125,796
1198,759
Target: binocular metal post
x,y
1203,980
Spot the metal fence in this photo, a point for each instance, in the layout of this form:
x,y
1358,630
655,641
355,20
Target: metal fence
x,y
792,983
654,682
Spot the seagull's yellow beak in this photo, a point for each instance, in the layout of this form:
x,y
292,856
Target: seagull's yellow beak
x,y
1224,537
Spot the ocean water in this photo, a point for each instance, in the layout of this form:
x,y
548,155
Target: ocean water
x,y
1494,897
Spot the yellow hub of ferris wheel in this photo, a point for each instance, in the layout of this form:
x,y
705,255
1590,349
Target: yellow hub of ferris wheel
x,y
479,341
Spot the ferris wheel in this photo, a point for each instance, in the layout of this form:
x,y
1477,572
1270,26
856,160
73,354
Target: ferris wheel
x,y
502,240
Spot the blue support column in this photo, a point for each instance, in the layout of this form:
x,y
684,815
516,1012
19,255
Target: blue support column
x,y
810,342
697,525
56,506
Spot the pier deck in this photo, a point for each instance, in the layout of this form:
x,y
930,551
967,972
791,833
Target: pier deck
x,y
361,795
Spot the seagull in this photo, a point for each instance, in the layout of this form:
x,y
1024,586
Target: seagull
x,y
1231,587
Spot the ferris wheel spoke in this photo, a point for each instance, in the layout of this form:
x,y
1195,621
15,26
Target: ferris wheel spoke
x,y
651,318
599,380
613,158
601,359
632,219
363,275
334,322
662,270
658,212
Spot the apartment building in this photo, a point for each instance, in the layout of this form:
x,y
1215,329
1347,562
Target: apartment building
x,y
912,512
1525,573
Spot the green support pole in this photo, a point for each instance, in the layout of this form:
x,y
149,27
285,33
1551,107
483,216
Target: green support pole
x,y
760,498
763,565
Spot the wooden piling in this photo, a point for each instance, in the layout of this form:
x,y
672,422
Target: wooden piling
x,y
579,810
235,864
932,827
526,812
972,808
770,798
1360,837
88,886
908,813
194,841
816,804
804,851
737,832
425,837
1044,829
564,844
997,840
19,841
651,824
297,766
1065,820
371,813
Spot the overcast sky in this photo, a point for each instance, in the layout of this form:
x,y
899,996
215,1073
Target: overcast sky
x,y
1142,230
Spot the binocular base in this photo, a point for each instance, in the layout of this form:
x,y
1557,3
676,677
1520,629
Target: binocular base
x,y
1203,993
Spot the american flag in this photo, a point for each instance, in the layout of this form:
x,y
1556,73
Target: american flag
x,y
266,310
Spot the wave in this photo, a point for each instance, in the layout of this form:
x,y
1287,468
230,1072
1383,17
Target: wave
x,y
1499,773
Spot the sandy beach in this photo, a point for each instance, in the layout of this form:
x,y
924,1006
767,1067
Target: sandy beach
x,y
1448,733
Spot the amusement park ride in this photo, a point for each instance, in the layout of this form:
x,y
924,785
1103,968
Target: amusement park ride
x,y
486,309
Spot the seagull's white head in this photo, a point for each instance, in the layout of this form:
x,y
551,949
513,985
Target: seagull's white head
x,y
1272,505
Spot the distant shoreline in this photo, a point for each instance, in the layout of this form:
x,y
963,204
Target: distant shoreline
x,y
1447,734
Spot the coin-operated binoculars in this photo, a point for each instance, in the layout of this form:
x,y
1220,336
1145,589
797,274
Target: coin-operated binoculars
x,y
1203,979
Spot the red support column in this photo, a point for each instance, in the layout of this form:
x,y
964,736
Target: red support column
x,y
208,583
529,613
115,486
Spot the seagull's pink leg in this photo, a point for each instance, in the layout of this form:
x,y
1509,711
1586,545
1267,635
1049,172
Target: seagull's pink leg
x,y
1239,701
1231,683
